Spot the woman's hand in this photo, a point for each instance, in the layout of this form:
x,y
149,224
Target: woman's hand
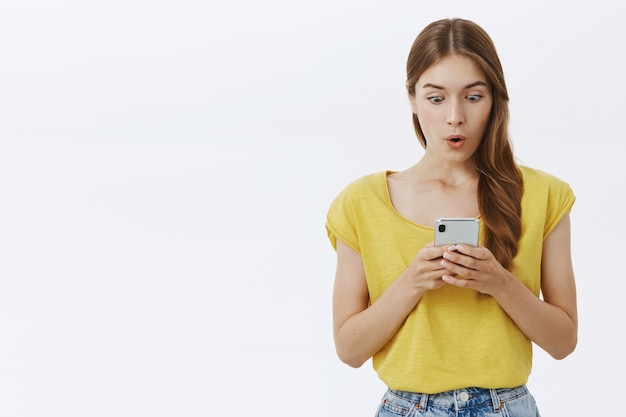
x,y
477,267
426,270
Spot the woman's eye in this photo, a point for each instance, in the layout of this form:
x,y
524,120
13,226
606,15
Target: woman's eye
x,y
435,99
474,97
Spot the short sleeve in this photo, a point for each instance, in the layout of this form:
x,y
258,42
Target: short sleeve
x,y
561,199
341,221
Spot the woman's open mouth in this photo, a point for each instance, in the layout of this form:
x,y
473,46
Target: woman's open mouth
x,y
455,141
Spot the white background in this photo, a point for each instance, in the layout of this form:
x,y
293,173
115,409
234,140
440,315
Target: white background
x,y
165,171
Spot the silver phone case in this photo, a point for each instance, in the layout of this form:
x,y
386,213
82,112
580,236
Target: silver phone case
x,y
452,231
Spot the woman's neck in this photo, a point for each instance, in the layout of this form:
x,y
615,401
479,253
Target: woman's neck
x,y
452,174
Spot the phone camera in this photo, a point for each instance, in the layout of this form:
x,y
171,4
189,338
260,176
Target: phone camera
x,y
442,228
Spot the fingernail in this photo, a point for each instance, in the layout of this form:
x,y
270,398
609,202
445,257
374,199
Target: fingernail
x,y
444,263
451,248
447,255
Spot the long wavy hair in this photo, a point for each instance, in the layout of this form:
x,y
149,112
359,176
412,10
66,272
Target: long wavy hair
x,y
500,183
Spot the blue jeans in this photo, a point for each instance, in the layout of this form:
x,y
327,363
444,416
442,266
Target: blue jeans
x,y
468,402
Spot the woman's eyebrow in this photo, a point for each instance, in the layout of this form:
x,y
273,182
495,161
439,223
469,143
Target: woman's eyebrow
x,y
429,85
474,84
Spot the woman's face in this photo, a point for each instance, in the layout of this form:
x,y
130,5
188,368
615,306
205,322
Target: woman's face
x,y
453,101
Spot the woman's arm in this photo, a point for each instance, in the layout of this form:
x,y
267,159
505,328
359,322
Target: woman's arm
x,y
360,329
552,323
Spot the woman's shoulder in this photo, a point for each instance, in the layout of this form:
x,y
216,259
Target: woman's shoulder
x,y
369,182
537,177
354,202
542,188
361,190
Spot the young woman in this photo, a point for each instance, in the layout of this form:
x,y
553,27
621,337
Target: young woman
x,y
450,328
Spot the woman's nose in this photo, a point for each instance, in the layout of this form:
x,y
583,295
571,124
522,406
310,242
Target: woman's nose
x,y
456,116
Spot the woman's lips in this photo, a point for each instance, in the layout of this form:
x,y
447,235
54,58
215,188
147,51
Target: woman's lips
x,y
455,141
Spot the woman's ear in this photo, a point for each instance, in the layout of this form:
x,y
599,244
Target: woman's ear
x,y
411,96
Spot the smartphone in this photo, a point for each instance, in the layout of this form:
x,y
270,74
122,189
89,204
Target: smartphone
x,y
452,231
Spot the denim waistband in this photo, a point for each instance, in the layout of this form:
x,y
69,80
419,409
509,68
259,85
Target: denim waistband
x,y
462,398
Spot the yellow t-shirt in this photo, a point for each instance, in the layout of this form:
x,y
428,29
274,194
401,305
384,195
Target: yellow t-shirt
x,y
455,337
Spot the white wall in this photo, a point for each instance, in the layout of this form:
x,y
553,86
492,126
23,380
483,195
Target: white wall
x,y
165,170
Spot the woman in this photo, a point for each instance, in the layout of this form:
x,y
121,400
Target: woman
x,y
450,328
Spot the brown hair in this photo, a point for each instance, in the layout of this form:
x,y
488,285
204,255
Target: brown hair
x,y
500,183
